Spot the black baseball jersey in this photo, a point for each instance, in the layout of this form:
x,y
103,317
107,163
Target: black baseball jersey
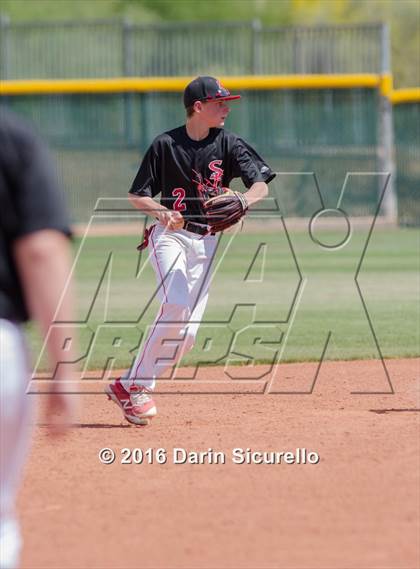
x,y
184,171
29,202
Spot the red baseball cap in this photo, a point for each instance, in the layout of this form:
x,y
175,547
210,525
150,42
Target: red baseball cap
x,y
206,89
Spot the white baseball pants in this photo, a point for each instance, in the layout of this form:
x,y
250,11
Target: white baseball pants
x,y
182,262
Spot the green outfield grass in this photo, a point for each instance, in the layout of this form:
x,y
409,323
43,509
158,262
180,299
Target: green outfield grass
x,y
258,305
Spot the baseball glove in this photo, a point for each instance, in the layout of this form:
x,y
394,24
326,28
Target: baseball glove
x,y
225,210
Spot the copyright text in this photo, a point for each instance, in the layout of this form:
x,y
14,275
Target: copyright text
x,y
179,455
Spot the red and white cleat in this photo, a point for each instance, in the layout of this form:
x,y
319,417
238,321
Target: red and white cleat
x,y
137,404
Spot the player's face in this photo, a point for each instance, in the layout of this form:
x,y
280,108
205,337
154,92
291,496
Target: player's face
x,y
215,113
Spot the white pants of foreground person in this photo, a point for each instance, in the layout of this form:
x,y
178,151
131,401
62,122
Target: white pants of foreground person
x,y
16,417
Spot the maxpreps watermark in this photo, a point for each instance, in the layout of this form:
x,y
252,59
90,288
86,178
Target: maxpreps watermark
x,y
179,455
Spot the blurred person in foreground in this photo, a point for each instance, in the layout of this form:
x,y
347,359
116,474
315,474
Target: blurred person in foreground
x,y
35,263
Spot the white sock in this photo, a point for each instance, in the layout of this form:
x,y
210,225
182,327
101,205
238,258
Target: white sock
x,y
128,382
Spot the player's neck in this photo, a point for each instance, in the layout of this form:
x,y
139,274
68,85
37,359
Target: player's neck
x,y
196,130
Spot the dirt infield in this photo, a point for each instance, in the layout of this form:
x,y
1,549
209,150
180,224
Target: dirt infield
x,y
357,508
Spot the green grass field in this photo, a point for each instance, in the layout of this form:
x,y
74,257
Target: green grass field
x,y
259,306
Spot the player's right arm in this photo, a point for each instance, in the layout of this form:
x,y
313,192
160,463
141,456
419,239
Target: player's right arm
x,y
169,218
43,260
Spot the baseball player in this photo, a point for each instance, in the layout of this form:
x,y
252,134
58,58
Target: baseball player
x,y
187,166
34,267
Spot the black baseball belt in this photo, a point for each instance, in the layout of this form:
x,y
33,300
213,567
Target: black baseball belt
x,y
198,228
191,226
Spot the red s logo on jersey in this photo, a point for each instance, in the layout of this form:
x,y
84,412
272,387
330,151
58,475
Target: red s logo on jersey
x,y
209,186
217,174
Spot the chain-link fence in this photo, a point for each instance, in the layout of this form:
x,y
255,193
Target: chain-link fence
x,y
99,139
121,48
407,146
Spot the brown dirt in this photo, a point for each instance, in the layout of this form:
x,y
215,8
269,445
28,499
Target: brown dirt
x,y
358,508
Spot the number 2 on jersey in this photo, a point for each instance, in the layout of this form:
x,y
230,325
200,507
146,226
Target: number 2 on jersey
x,y
179,204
